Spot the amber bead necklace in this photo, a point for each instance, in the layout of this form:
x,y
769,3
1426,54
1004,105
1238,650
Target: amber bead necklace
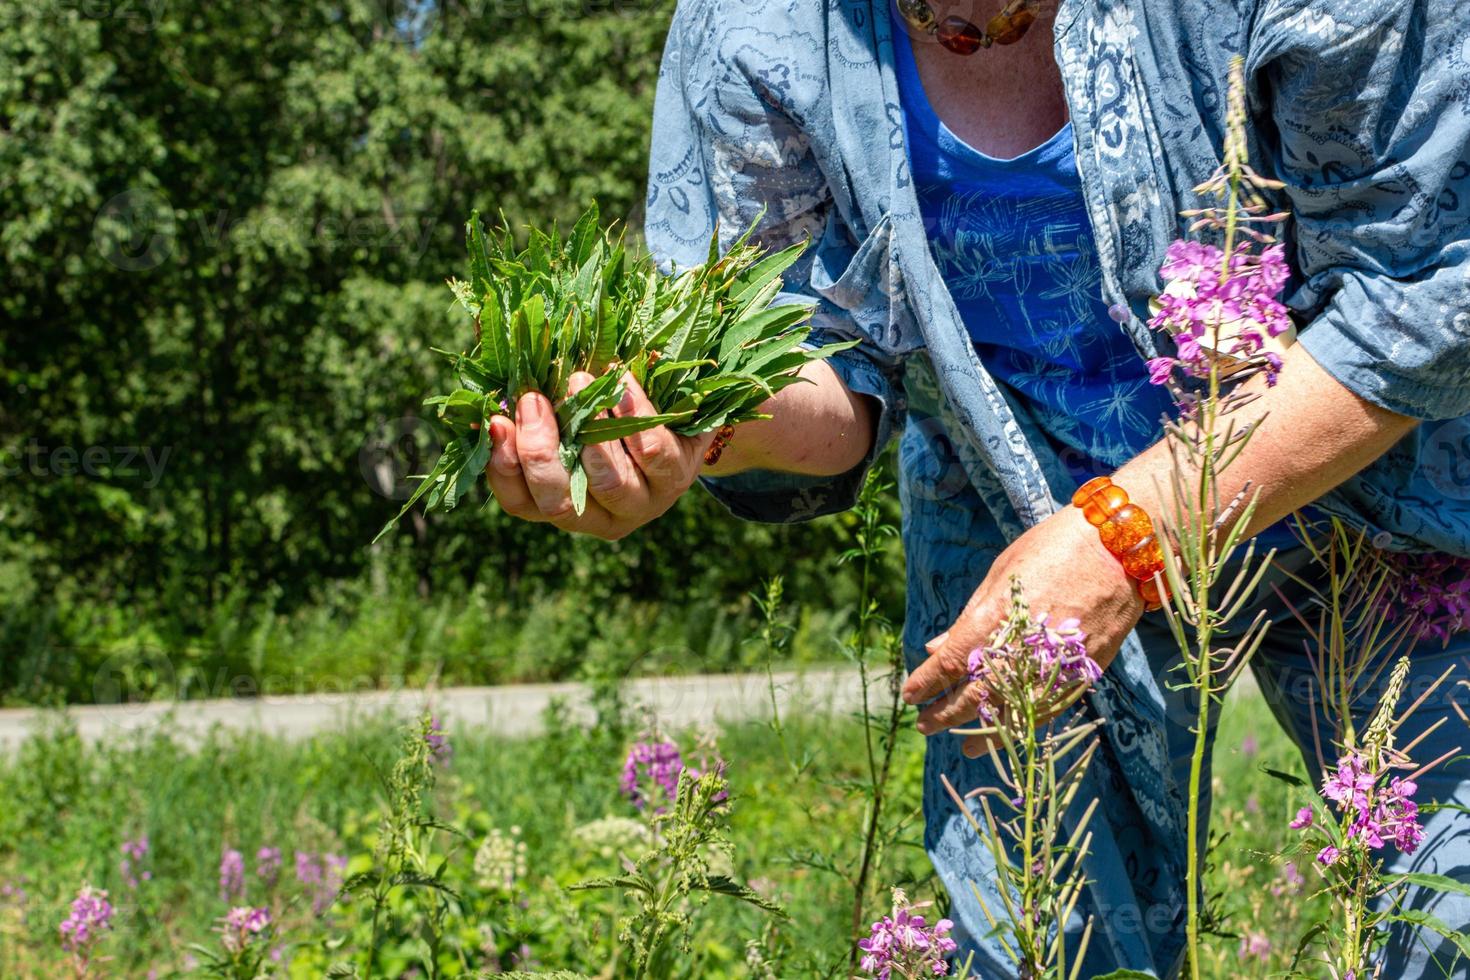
x,y
960,35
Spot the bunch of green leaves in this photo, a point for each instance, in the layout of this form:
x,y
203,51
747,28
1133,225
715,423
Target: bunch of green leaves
x,y
707,344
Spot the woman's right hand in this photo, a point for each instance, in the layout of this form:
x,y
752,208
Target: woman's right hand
x,y
630,481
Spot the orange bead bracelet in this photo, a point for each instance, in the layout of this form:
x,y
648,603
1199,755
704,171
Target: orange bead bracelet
x,y
1127,533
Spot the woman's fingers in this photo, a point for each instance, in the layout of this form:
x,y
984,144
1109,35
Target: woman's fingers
x,y
507,481
613,479
956,708
538,444
977,745
948,662
629,481
657,452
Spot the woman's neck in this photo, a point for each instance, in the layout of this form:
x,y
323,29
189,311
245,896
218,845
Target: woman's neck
x,y
1002,100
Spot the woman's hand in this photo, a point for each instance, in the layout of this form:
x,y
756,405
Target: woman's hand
x,y
1064,571
629,482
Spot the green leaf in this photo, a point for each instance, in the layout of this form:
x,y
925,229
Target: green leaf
x,y
605,430
1439,883
765,270
722,885
632,880
417,879
1285,777
1422,919
361,880
578,484
441,467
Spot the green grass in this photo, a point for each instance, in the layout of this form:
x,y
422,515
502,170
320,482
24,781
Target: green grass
x,y
68,808
363,637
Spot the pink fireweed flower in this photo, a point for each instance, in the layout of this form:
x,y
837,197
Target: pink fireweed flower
x,y
131,866
1256,945
902,944
231,874
91,916
1199,301
1328,855
1302,819
241,925
268,865
1191,261
322,874
651,767
1379,812
1291,881
1058,653
1160,370
1429,592
438,741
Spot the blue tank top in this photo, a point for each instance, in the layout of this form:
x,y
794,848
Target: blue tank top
x,y
1013,243
1014,246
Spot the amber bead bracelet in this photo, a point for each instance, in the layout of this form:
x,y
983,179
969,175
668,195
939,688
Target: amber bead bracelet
x,y
717,448
1127,533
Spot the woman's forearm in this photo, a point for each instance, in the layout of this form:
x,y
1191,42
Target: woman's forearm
x,y
816,428
1313,434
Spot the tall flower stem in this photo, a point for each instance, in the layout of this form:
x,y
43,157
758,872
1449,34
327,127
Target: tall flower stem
x,y
1218,322
880,735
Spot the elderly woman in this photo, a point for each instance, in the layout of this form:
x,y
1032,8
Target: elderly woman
x,y
988,219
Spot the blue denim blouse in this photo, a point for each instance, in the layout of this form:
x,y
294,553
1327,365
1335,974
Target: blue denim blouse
x,y
1363,109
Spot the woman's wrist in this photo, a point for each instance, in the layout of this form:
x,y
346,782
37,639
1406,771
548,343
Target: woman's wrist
x,y
818,428
1093,559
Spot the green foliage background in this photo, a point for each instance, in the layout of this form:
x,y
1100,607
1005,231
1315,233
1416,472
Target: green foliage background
x,y
225,230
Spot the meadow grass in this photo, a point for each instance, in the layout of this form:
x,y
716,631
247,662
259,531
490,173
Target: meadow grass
x,y
68,809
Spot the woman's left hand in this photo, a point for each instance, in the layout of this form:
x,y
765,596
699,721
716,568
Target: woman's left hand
x,y
1064,571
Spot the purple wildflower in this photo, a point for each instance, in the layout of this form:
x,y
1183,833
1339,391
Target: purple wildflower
x,y
1379,813
650,765
13,892
1291,880
902,942
322,874
1160,370
1328,855
91,916
1303,818
130,867
1249,746
231,874
268,865
1429,592
1200,301
1254,944
439,747
1058,651
241,925
336,874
